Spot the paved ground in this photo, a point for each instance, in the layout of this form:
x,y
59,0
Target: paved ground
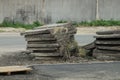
x,y
11,42
99,71
94,71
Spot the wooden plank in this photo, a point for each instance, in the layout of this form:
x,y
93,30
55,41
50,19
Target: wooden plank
x,y
38,31
48,58
38,35
40,39
108,32
45,54
41,42
69,32
115,48
89,46
42,49
117,42
97,51
11,69
43,45
107,36
72,31
53,26
106,54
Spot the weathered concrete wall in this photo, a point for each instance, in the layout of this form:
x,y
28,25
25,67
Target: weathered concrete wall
x,y
71,10
27,11
109,9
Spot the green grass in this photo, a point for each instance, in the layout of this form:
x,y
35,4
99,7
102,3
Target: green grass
x,y
20,25
95,23
98,23
62,21
83,23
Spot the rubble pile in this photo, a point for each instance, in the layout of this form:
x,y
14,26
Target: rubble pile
x,y
52,40
107,45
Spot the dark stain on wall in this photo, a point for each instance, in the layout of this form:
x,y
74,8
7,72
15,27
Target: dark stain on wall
x,y
28,15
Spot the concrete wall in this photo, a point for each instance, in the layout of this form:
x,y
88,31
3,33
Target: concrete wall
x,y
50,11
28,11
72,10
109,9
25,11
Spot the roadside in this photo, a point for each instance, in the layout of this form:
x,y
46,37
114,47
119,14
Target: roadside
x,y
80,30
93,30
11,42
10,29
13,37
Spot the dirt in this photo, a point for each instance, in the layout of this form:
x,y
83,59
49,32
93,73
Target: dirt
x,y
9,29
80,30
21,58
93,30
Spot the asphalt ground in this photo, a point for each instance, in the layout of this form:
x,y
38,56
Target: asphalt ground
x,y
91,71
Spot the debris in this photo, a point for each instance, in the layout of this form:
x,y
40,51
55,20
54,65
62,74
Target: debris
x,y
14,69
107,45
108,32
89,48
52,40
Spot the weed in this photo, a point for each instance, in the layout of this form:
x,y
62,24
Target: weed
x,y
62,21
20,25
98,23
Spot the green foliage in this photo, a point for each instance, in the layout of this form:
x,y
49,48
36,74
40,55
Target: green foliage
x,y
62,21
98,23
20,25
37,23
76,24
